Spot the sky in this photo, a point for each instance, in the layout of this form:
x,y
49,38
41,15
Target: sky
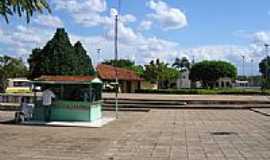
x,y
150,29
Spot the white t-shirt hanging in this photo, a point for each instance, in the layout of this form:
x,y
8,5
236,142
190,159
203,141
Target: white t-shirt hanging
x,y
47,96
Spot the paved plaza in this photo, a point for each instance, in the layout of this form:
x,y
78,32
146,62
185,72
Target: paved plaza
x,y
185,97
156,135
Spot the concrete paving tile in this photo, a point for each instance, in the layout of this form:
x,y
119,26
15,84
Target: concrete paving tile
x,y
157,135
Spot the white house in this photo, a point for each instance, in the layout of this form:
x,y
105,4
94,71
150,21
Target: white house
x,y
241,84
183,80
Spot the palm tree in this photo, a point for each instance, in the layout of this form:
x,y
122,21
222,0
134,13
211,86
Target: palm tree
x,y
181,64
21,7
177,63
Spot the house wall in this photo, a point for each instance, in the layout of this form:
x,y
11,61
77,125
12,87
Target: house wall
x,y
130,86
148,85
135,86
241,84
127,86
224,83
123,86
183,81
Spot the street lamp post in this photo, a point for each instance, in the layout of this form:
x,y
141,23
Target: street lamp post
x,y
251,73
252,69
116,57
243,65
98,55
266,45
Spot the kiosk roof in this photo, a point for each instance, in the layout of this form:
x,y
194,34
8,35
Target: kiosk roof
x,y
65,79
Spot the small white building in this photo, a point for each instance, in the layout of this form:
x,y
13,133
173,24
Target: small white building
x,y
183,80
241,84
224,82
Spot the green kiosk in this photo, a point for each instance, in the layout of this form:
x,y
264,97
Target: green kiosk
x,y
73,99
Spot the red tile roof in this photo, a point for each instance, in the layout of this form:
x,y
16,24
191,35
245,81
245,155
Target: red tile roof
x,y
107,72
65,78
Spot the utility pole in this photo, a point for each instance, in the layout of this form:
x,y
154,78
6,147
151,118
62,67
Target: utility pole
x,y
98,53
251,72
193,60
243,65
116,58
98,56
266,45
252,69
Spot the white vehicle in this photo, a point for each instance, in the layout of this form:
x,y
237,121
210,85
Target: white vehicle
x,y
19,85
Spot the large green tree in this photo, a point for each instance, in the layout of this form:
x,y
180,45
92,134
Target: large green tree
x,y
59,57
84,62
160,72
10,68
264,66
208,72
22,7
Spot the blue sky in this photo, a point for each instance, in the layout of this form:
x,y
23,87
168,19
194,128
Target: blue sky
x,y
149,29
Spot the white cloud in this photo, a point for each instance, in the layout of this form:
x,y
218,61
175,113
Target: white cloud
x,y
48,21
169,18
217,52
90,19
229,53
126,34
261,37
84,12
145,25
143,49
139,48
153,48
128,18
20,40
81,6
133,44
